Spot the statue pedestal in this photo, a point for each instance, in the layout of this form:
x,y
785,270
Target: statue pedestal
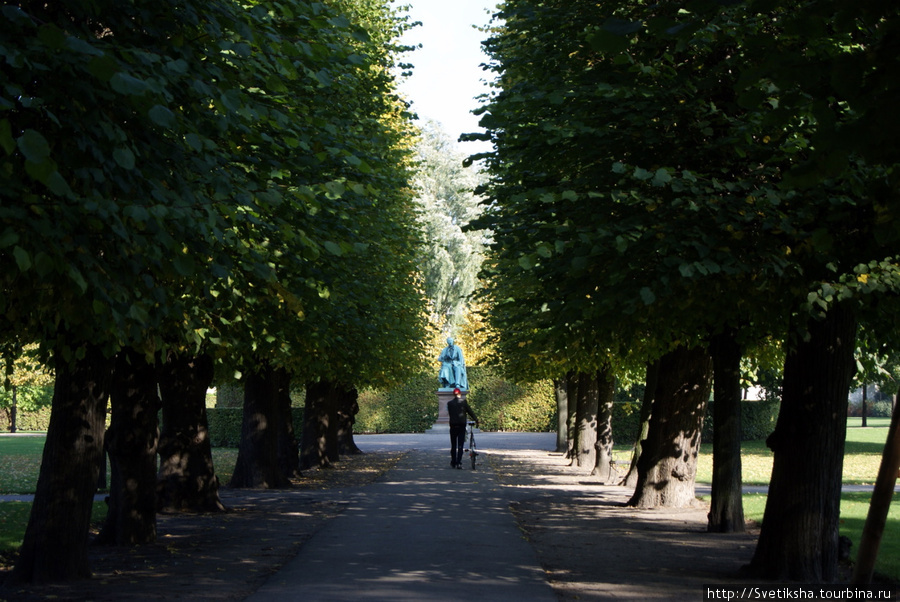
x,y
442,424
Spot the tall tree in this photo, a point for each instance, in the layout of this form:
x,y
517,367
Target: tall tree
x,y
799,535
726,514
180,215
64,496
186,479
131,442
667,467
452,254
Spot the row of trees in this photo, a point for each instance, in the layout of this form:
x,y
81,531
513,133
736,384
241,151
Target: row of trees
x,y
192,188
675,187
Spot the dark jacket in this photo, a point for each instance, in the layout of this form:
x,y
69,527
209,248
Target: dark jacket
x,y
457,408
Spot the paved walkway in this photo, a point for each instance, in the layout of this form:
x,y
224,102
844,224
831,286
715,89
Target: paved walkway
x,y
424,532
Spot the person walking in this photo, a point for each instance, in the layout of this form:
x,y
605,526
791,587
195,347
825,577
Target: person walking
x,y
457,408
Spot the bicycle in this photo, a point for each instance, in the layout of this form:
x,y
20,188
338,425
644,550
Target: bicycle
x,y
470,431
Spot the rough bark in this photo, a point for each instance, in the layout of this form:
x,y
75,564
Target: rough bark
x,y
288,448
131,442
56,538
631,478
606,387
726,514
586,420
572,396
319,444
348,408
798,539
562,415
186,480
13,411
257,465
667,467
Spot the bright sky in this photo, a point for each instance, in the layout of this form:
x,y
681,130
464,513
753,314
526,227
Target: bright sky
x,y
447,75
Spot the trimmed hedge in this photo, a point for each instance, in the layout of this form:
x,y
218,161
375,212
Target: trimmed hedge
x,y
410,408
32,420
225,425
500,405
757,421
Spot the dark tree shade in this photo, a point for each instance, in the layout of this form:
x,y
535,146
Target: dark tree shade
x,y
799,535
726,513
55,543
131,442
187,478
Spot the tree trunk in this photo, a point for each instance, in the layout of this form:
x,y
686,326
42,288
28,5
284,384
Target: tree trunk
x,y
798,539
879,506
726,514
650,381
667,467
348,408
572,396
319,445
55,543
865,406
562,415
186,480
131,442
13,411
606,386
586,420
257,464
288,449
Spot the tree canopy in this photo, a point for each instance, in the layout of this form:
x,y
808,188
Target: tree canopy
x,y
223,196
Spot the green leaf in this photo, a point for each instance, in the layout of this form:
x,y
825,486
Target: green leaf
x,y
194,141
23,259
334,190
34,146
57,184
242,49
333,248
642,174
162,116
78,45
124,83
75,275
647,296
621,27
606,42
9,237
525,262
41,170
661,177
124,157
15,14
686,269
51,36
184,264
103,67
43,263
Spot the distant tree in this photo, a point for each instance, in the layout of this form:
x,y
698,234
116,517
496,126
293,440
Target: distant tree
x,y
452,255
28,383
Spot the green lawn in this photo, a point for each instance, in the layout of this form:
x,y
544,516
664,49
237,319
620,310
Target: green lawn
x,y
861,460
20,463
